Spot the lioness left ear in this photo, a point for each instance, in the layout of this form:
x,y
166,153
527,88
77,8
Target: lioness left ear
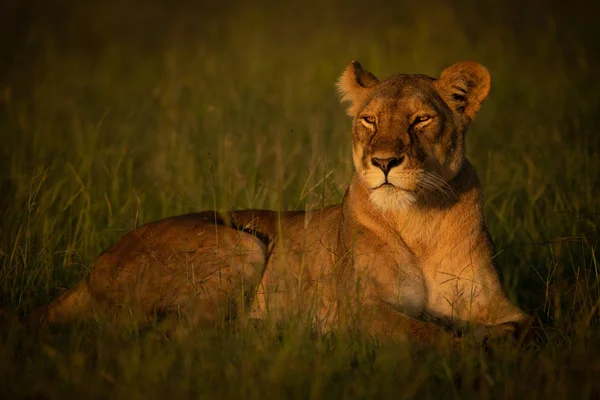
x,y
354,86
464,86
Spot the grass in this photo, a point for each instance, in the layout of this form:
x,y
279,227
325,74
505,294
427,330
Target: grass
x,y
115,114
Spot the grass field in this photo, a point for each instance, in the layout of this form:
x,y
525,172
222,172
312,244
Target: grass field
x,y
119,113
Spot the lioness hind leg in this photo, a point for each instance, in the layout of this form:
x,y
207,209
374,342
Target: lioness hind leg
x,y
74,303
187,285
185,265
225,277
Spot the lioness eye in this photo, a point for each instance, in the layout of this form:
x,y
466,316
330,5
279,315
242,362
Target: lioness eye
x,y
422,118
369,119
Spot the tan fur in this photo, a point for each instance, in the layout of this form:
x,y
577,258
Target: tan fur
x,y
407,245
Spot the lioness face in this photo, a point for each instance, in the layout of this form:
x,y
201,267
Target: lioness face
x,y
408,130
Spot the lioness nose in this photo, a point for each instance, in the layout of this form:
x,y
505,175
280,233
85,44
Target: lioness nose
x,y
386,164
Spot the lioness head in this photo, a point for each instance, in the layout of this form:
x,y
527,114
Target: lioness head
x,y
408,130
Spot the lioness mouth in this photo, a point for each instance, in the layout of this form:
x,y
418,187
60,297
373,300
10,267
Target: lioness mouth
x,y
385,184
391,185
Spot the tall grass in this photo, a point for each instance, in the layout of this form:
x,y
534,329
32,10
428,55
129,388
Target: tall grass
x,y
114,114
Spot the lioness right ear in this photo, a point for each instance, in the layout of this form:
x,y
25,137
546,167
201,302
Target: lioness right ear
x,y
354,86
464,86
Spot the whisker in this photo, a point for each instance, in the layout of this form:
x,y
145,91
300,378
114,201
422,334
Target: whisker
x,y
432,181
445,184
427,182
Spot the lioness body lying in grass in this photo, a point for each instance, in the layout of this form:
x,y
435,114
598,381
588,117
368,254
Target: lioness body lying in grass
x,y
407,245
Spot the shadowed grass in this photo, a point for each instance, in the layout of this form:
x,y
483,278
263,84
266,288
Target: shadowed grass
x,y
112,115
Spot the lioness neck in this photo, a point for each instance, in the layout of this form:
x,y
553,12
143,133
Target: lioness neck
x,y
425,225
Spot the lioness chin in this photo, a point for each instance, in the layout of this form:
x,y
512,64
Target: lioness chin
x,y
408,245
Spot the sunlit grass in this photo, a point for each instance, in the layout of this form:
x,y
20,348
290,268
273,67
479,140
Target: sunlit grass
x,y
114,116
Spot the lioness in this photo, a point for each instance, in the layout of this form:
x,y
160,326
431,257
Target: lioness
x,y
407,246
